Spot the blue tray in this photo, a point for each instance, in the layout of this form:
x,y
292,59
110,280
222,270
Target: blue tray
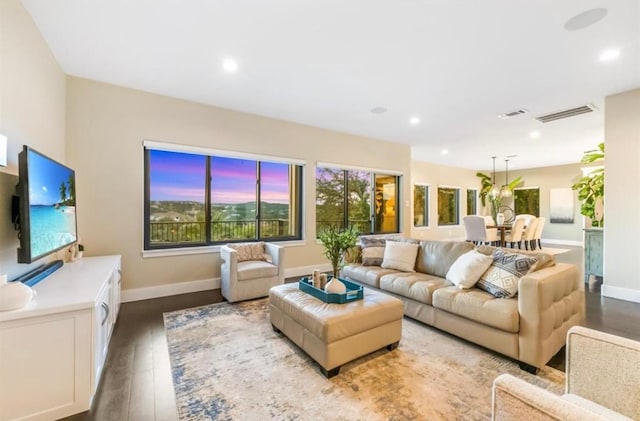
x,y
354,292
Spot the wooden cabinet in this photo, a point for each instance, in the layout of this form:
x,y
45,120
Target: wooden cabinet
x,y
52,351
593,252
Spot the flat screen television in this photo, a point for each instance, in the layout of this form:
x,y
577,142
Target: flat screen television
x,y
46,208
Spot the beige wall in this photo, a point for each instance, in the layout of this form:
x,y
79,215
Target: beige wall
x,y
105,129
440,175
622,196
32,111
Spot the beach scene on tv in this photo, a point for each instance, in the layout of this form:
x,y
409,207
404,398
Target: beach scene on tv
x,y
52,205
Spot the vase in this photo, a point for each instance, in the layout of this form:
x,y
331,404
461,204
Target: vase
x,y
335,286
500,218
14,295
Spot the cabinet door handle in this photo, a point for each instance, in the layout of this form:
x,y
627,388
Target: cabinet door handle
x,y
105,307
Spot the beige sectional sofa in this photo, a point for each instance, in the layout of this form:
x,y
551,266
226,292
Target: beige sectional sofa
x,y
530,328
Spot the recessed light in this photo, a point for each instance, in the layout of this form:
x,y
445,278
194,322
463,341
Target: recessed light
x,y
609,55
534,135
444,152
414,121
378,110
584,19
230,65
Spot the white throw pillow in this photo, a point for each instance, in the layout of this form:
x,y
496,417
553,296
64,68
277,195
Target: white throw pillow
x,y
468,268
400,256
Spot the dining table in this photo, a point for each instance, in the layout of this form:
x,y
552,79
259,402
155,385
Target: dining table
x,y
502,229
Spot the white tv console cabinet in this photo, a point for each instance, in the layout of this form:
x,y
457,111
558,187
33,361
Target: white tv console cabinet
x,y
53,350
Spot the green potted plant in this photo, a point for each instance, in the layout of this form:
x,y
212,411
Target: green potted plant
x,y
486,185
591,188
336,242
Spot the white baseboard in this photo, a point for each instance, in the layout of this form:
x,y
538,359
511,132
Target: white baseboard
x,y
138,294
562,242
620,293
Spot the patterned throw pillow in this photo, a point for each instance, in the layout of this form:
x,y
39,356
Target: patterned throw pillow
x,y
372,250
249,251
501,279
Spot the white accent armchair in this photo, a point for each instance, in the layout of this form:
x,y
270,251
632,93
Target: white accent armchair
x,y
243,279
602,383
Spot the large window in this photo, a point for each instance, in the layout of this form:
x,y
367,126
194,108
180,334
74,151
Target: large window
x,y
195,200
472,201
526,200
364,200
420,205
448,206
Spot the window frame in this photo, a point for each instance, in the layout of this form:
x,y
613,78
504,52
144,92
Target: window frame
x,y
475,200
515,202
297,208
373,172
457,207
427,201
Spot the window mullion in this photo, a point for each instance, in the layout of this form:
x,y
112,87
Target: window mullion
x,y
207,201
258,202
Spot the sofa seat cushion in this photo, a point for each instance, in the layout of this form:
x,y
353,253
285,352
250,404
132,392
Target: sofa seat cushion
x,y
253,269
417,286
480,306
369,275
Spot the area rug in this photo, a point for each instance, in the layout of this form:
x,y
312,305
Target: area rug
x,y
229,364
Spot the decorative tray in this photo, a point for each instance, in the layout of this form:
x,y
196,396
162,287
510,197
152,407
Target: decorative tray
x,y
354,292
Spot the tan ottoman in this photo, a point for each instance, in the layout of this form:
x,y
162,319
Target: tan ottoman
x,y
333,334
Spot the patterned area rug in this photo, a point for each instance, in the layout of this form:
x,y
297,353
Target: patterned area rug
x,y
228,364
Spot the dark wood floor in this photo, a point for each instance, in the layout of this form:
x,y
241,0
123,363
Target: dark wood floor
x,y
137,386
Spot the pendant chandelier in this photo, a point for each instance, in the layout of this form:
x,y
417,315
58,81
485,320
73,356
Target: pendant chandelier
x,y
505,191
495,191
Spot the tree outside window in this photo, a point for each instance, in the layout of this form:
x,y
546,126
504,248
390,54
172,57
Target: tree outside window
x,y
472,202
448,206
420,206
526,201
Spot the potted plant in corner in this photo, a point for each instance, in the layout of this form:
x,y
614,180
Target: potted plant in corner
x,y
336,242
591,188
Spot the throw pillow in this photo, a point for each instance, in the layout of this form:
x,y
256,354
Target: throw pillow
x,y
400,256
468,268
372,256
545,260
501,279
372,250
249,251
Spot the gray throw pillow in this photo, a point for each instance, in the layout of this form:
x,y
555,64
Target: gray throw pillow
x,y
502,277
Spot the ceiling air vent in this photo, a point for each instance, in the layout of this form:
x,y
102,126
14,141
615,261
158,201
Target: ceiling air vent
x,y
566,113
513,113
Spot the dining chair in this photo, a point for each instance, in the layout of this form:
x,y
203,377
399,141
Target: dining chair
x,y
477,232
527,218
538,235
515,236
488,220
529,234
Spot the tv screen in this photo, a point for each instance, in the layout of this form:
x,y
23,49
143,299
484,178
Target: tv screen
x,y
47,205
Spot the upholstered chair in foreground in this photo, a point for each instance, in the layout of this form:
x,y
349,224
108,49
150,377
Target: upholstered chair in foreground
x,y
602,383
249,270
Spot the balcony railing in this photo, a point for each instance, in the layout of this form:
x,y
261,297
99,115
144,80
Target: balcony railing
x,y
360,225
195,232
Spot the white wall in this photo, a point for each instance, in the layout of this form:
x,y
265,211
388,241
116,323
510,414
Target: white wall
x,y
105,129
32,111
622,197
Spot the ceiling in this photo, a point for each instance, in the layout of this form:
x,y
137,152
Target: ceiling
x,y
455,64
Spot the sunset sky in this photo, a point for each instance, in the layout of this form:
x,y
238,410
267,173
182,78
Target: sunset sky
x,y
181,177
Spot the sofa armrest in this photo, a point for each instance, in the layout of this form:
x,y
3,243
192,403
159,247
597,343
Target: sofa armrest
x,y
277,256
228,271
604,369
550,302
515,399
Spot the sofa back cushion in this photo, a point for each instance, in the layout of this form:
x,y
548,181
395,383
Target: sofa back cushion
x,y
436,257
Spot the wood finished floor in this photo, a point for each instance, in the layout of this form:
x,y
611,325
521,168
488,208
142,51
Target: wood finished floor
x,y
136,384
